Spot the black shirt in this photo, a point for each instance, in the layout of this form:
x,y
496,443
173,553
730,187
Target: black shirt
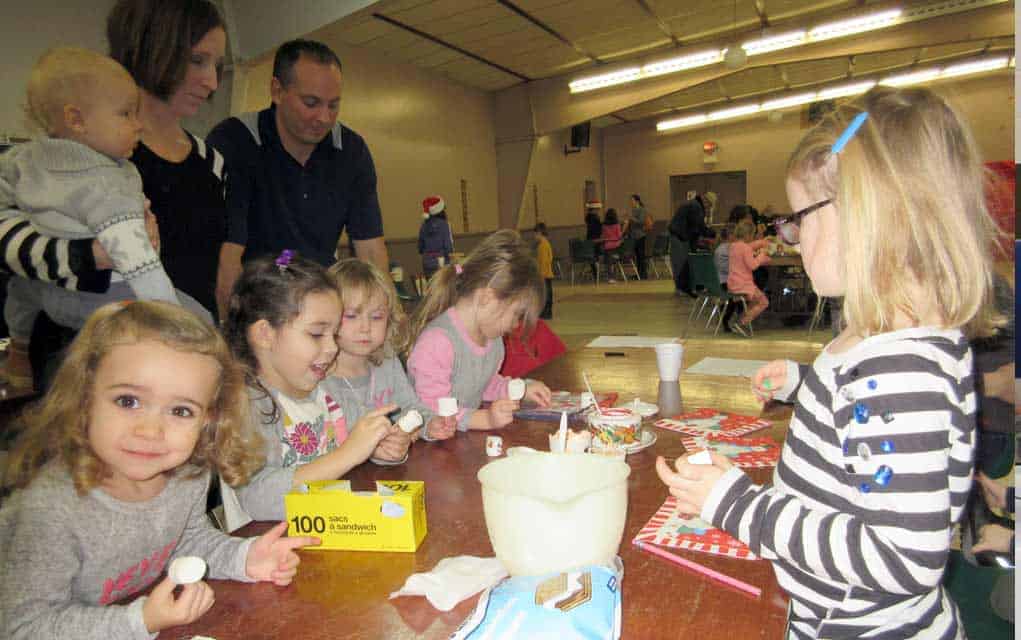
x,y
276,203
188,202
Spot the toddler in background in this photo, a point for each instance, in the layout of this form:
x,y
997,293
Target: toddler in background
x,y
456,338
111,475
372,376
77,182
888,191
745,256
282,324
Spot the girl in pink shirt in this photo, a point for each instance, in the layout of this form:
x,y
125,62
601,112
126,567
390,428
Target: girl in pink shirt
x,y
743,261
457,333
611,239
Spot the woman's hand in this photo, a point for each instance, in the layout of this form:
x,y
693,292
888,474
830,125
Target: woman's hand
x,y
692,483
994,492
271,558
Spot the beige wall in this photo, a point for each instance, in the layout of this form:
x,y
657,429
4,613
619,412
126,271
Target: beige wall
x,y
559,180
425,134
638,159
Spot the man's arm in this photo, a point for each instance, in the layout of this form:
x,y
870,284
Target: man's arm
x,y
374,250
227,274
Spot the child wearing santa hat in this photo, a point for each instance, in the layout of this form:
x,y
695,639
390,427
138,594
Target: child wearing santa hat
x,y
435,241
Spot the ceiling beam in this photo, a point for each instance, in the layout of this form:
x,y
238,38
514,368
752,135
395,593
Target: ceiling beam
x,y
664,27
548,29
453,47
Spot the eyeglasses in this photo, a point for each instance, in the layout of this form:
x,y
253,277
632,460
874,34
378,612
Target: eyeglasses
x,y
788,228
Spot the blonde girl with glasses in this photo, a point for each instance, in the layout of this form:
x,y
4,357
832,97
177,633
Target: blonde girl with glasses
x,y
877,464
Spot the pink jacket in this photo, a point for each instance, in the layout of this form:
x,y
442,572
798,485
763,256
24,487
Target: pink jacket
x,y
742,262
612,234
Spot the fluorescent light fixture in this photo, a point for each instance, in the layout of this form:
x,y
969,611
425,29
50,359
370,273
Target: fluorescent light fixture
x,y
854,25
680,122
977,66
774,43
789,101
701,59
912,77
605,80
846,90
734,112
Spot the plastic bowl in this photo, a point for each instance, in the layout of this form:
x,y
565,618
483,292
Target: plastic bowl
x,y
554,512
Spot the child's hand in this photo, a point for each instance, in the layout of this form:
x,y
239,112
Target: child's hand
x,y
367,433
501,413
994,492
162,610
993,537
538,393
271,558
692,483
394,446
441,428
769,378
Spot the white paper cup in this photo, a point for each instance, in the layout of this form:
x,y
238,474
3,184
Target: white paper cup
x,y
668,359
494,446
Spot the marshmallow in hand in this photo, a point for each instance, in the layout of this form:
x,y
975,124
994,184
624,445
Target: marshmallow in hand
x,y
187,569
410,421
516,389
446,407
702,457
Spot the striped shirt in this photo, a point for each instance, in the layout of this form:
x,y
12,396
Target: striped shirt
x,y
875,471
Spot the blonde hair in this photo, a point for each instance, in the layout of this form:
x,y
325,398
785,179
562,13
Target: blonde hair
x,y
909,189
359,281
57,427
744,232
501,262
63,76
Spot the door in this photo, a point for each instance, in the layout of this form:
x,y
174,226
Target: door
x,y
729,186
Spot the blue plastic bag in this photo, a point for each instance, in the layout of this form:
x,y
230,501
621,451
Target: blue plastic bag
x,y
577,605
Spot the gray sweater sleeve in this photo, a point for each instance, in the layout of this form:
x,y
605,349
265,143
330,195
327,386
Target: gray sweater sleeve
x,y
226,555
263,497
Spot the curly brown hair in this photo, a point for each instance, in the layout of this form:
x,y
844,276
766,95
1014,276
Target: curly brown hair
x,y
56,428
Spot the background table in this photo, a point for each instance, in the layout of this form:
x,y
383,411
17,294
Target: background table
x,y
341,594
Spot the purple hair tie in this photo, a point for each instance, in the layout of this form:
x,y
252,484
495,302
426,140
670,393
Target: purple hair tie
x,y
284,259
458,269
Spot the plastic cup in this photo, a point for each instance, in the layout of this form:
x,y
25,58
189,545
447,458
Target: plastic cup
x,y
668,358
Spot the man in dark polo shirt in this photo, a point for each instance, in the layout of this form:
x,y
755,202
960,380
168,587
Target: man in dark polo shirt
x,y
296,178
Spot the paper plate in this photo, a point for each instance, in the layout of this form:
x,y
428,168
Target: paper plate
x,y
648,439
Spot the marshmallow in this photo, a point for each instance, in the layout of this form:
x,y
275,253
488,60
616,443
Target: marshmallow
x,y
447,407
702,457
410,421
516,389
187,569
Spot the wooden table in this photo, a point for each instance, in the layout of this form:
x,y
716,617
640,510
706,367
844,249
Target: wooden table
x,y
340,594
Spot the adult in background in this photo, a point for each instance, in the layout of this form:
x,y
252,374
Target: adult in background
x,y
174,50
299,178
640,227
435,241
686,228
594,234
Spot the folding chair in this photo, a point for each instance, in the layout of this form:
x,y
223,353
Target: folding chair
x,y
661,249
583,252
704,275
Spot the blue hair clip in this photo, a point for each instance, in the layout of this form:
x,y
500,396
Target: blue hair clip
x,y
849,132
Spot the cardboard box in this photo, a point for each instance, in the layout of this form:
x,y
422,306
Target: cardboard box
x,y
392,518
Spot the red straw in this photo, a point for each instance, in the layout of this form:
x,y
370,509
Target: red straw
x,y
698,568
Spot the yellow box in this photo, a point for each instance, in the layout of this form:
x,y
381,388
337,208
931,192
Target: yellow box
x,y
392,518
